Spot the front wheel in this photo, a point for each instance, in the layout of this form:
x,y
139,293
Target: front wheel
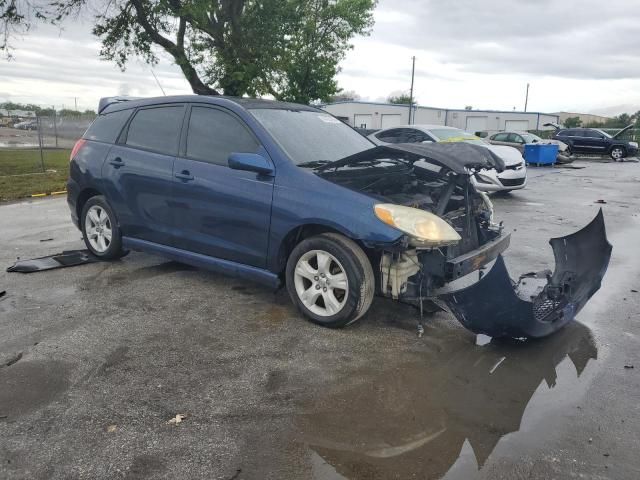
x,y
100,230
618,153
330,279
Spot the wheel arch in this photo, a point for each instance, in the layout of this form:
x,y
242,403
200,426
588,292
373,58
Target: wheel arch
x,y
620,145
301,232
83,198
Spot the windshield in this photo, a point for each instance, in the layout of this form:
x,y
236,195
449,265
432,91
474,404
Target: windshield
x,y
453,135
311,136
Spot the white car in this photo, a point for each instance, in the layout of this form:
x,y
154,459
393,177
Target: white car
x,y
513,177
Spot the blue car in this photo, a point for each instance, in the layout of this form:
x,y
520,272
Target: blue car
x,y
288,195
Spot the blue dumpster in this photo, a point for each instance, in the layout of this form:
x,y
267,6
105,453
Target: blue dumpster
x,y
540,154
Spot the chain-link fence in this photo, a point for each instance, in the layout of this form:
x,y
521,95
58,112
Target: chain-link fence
x,y
34,153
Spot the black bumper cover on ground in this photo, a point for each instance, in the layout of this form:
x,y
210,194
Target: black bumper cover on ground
x,y
539,303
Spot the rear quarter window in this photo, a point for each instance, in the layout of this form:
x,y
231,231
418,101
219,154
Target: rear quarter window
x,y
107,127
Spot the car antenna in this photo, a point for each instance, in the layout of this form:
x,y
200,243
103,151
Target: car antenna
x,y
157,81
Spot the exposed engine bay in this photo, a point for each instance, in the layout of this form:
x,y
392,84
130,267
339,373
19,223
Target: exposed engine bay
x,y
435,178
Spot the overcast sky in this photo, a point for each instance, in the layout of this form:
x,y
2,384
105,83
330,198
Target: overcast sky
x,y
578,55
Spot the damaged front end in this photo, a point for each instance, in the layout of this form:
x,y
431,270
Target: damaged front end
x,y
436,179
539,303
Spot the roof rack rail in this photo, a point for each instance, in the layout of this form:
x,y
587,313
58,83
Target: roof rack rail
x,y
106,101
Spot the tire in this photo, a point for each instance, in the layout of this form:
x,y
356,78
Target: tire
x,y
568,152
339,259
617,153
98,222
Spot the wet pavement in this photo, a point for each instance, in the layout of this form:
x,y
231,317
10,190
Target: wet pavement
x,y
96,359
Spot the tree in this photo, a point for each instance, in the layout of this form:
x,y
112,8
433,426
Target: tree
x,y
400,98
344,96
572,122
287,48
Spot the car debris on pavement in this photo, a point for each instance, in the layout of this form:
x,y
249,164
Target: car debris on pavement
x,y
68,258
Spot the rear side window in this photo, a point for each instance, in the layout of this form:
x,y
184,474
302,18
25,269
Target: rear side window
x,y
108,126
213,135
156,129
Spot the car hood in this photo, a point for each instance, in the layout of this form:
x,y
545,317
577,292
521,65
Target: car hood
x,y
628,127
509,155
458,157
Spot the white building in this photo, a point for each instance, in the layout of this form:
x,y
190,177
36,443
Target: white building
x,y
384,115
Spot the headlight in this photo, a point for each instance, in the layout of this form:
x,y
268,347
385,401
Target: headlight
x,y
634,144
424,229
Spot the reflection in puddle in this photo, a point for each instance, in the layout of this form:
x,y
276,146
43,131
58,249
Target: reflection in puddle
x,y
443,413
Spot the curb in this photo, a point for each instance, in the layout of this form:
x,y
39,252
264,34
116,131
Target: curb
x,y
62,192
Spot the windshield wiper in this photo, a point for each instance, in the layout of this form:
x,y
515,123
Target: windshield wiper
x,y
314,163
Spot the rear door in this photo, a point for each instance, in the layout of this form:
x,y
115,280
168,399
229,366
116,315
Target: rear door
x,y
138,173
220,212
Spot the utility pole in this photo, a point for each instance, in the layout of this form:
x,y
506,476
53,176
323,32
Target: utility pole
x,y
75,99
413,71
526,98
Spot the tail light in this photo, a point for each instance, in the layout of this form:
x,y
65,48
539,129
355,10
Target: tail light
x,y
76,148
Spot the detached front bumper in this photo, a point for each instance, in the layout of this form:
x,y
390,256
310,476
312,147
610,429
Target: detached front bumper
x,y
538,304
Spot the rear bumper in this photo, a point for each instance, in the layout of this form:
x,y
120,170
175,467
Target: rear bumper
x,y
72,200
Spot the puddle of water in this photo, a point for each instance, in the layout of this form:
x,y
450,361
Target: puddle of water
x,y
444,413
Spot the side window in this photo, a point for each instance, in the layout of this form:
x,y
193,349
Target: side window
x,y
592,134
416,136
500,137
107,127
156,129
390,136
515,138
213,135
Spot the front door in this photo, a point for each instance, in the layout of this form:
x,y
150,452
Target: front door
x,y
138,173
220,212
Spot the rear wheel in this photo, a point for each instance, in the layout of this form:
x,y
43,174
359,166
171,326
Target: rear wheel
x,y
330,279
100,230
618,153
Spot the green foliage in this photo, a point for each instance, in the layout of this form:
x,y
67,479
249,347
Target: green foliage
x,y
286,48
572,122
402,99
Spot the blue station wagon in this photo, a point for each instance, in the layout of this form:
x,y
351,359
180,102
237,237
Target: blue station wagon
x,y
288,195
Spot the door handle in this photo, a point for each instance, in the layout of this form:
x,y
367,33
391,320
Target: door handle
x,y
184,175
117,162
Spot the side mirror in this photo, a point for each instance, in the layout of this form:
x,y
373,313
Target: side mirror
x,y
250,162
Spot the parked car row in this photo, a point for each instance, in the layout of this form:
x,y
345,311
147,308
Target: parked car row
x,y
513,177
288,195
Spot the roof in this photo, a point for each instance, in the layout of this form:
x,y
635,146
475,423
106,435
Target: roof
x,y
406,105
122,103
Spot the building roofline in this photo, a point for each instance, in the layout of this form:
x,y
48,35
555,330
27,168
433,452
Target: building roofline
x,y
406,105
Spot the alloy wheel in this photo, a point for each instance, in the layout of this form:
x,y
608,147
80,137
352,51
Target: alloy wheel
x,y
97,225
617,154
321,283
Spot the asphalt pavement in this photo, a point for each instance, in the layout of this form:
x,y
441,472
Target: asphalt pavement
x,y
96,360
